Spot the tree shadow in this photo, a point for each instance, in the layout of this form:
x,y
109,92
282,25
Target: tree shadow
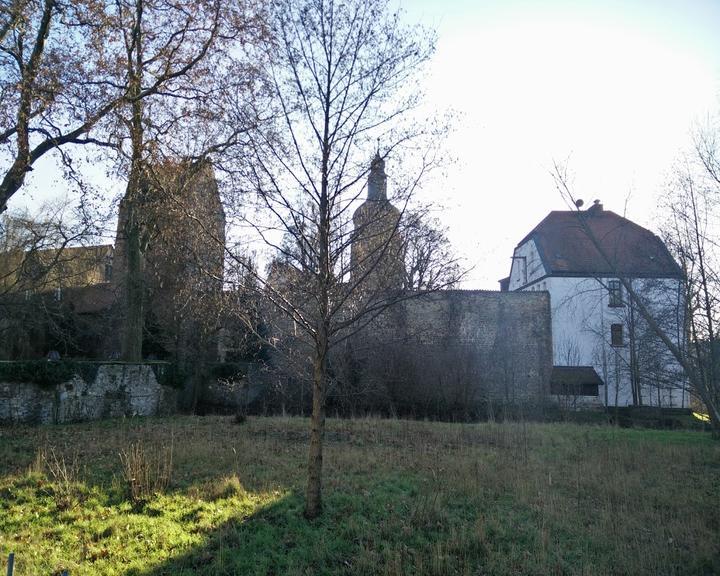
x,y
277,539
243,545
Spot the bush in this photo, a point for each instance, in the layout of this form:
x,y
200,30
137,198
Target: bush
x,y
169,375
146,471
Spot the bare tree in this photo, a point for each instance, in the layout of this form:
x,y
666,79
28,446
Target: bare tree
x,y
164,137
692,234
342,78
67,66
144,79
691,240
430,262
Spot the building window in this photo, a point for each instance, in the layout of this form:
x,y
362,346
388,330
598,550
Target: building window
x,y
616,335
108,271
615,294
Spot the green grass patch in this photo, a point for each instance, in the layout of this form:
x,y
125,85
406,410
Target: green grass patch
x,y
401,497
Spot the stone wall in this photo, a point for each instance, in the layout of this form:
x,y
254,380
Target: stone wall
x,y
456,352
117,390
453,354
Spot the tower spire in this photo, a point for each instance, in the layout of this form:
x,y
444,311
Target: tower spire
x,y
377,180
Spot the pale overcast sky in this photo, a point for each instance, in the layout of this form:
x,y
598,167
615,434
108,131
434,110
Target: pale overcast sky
x,y
611,87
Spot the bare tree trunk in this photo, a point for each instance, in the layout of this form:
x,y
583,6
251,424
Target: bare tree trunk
x,y
313,501
634,368
134,232
134,309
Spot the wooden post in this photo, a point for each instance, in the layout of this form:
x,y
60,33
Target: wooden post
x,y
11,564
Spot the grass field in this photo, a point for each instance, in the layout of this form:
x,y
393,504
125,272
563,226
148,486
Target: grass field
x,y
400,498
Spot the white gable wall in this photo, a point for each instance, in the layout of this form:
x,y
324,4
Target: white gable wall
x,y
526,266
581,331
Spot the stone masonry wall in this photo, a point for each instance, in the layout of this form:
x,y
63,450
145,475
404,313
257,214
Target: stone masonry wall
x,y
117,390
458,350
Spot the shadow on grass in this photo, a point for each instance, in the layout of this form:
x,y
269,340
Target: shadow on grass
x,y
350,536
256,544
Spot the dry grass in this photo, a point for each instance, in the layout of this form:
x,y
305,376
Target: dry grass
x,y
146,470
401,498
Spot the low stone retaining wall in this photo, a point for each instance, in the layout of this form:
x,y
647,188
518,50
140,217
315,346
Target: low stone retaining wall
x,y
117,390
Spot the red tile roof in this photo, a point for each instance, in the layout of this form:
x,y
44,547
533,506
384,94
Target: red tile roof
x,y
566,249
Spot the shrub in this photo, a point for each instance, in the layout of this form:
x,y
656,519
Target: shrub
x,y
62,473
169,374
146,471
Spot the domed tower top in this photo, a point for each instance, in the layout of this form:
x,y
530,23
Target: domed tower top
x,y
377,180
377,248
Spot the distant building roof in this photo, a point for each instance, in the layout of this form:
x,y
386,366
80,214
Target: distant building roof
x,y
566,249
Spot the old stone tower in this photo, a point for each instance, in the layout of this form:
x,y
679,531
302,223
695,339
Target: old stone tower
x,y
184,226
377,249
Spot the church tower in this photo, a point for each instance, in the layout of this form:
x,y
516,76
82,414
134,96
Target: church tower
x,y
377,249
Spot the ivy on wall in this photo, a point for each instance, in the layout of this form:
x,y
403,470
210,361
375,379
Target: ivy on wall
x,y
52,373
40,372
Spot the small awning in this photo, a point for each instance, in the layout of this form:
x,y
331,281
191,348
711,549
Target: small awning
x,y
575,381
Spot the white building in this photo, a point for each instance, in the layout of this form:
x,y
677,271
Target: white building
x,y
594,323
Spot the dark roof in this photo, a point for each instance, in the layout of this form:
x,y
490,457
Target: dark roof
x,y
575,375
566,248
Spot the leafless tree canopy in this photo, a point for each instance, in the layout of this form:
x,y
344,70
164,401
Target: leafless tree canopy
x,y
342,82
430,262
691,232
69,68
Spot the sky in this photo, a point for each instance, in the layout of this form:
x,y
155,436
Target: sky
x,y
609,89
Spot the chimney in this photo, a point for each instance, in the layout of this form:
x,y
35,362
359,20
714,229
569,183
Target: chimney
x,y
596,208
